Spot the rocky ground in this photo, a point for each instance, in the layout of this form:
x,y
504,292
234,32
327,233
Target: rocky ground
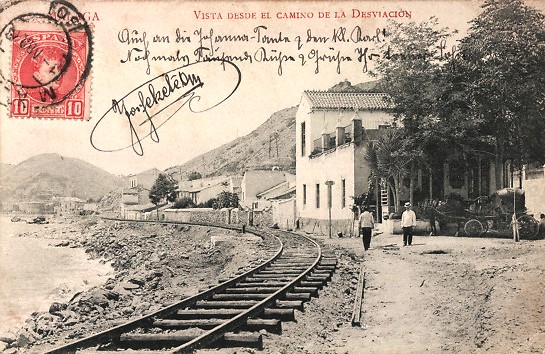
x,y
155,265
440,295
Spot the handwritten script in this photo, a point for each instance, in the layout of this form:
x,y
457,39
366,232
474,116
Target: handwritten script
x,y
259,46
150,105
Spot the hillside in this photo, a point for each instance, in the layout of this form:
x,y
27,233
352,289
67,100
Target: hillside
x,y
43,176
271,144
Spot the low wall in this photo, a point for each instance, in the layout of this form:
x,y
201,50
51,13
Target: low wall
x,y
181,215
198,215
223,216
423,227
283,213
321,227
534,190
262,218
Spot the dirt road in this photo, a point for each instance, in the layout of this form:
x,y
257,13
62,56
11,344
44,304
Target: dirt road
x,y
449,294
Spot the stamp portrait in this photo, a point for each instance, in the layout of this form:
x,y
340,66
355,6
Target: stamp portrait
x,y
50,63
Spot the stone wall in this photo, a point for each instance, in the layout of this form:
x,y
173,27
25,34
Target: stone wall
x,y
223,216
321,227
210,216
263,218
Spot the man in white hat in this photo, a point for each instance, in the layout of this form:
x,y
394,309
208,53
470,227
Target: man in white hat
x,y
408,222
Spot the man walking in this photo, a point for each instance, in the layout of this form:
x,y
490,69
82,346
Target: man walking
x,y
408,222
367,223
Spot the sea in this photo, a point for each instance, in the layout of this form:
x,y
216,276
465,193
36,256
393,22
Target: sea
x,y
34,273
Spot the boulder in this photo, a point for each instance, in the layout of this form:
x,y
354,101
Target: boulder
x,y
56,307
8,338
138,280
25,339
128,285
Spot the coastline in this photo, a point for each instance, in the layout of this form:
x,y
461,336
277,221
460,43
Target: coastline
x,y
35,273
153,265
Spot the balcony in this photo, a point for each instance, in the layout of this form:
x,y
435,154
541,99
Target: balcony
x,y
328,142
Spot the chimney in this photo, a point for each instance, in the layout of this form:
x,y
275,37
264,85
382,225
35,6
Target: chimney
x,y
339,134
325,141
357,128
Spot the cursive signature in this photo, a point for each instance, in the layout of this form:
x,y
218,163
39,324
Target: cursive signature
x,y
150,105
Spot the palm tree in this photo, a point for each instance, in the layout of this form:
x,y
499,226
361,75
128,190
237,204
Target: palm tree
x,y
390,159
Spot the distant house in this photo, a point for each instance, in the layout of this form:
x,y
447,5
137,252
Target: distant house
x,y
258,187
36,207
203,189
90,207
283,190
68,205
141,211
137,189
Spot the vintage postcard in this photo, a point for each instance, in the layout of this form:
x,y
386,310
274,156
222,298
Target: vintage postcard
x,y
283,176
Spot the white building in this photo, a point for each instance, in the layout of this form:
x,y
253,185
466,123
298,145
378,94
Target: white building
x,y
258,187
203,189
332,130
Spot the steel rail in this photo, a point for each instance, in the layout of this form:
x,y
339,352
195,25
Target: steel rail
x,y
114,333
237,321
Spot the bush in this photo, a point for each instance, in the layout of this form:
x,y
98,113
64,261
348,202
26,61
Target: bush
x,y
183,203
210,203
194,175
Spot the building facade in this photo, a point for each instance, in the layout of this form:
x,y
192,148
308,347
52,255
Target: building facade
x,y
69,205
258,187
332,131
203,189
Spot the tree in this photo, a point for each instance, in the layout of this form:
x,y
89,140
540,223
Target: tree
x,y
183,203
413,74
411,71
164,188
227,200
502,60
194,175
390,160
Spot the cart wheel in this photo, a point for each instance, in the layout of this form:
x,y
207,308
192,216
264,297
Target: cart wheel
x,y
528,226
473,228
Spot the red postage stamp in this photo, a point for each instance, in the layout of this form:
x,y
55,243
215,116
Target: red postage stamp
x,y
49,74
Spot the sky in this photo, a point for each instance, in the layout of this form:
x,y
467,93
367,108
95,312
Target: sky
x,y
261,92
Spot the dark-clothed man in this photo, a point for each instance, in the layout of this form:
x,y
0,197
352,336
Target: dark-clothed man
x,y
367,223
408,223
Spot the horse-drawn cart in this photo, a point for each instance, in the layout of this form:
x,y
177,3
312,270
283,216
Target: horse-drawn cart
x,y
497,213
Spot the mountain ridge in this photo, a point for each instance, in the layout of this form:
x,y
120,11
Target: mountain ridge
x,y
43,176
271,145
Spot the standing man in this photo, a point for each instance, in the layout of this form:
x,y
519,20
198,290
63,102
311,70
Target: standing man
x,y
367,223
408,222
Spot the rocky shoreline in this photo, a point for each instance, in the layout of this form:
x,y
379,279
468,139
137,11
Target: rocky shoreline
x,y
155,265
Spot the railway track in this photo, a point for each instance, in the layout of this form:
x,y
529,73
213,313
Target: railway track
x,y
232,313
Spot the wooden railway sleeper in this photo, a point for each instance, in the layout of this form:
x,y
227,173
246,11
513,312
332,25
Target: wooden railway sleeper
x,y
252,324
250,290
283,314
261,283
157,341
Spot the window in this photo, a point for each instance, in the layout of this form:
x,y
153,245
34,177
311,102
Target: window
x,y
343,193
317,196
304,194
303,138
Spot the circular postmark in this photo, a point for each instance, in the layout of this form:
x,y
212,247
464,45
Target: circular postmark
x,y
50,59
